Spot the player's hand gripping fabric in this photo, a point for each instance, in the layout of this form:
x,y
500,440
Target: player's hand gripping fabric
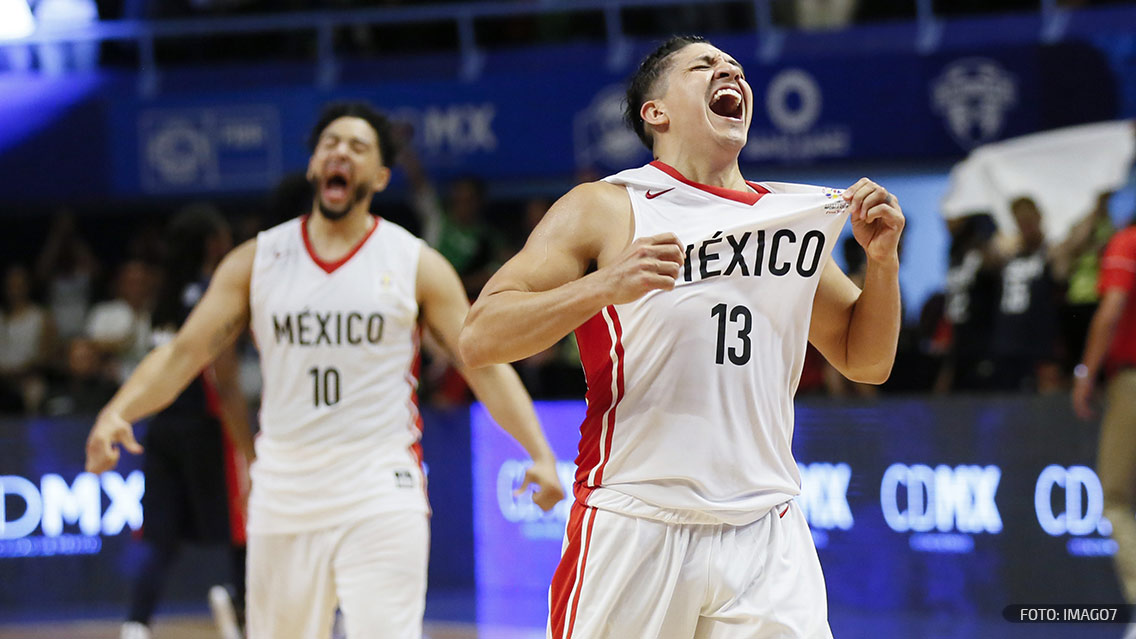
x,y
877,220
649,263
109,432
547,489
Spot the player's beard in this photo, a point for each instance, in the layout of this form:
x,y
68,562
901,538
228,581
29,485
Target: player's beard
x,y
332,214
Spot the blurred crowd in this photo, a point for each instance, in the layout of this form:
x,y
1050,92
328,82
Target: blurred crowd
x,y
1012,315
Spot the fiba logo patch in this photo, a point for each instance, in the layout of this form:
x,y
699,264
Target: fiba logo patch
x,y
601,137
974,95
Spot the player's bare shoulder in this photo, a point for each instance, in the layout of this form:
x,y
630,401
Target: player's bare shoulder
x,y
595,217
236,267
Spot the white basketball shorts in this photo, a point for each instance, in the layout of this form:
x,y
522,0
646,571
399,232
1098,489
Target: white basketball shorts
x,y
374,569
623,576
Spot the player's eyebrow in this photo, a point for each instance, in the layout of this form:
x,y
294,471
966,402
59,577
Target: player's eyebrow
x,y
710,60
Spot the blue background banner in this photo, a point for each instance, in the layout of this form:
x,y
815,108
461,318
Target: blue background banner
x,y
963,505
551,112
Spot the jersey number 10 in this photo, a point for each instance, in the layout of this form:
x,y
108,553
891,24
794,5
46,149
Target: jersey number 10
x,y
328,382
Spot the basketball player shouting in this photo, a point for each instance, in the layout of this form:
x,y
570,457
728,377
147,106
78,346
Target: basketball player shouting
x,y
338,510
693,293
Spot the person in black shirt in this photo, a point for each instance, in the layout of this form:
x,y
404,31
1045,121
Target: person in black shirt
x,y
198,449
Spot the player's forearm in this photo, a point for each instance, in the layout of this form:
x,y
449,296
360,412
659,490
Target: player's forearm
x,y
873,330
512,325
500,389
234,409
155,384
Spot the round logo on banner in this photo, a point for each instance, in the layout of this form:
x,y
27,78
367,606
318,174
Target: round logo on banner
x,y
178,152
793,100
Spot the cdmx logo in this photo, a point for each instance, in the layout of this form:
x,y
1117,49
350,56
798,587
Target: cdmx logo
x,y
1070,501
824,495
54,503
919,498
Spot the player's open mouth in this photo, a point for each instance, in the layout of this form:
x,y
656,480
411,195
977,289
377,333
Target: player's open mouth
x,y
336,187
727,102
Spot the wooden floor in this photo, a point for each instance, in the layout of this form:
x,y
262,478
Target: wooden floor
x,y
203,628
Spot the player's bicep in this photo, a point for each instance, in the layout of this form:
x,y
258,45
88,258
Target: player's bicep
x,y
223,311
566,242
832,314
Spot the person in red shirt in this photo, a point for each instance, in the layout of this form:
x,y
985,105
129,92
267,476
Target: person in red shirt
x,y
1111,348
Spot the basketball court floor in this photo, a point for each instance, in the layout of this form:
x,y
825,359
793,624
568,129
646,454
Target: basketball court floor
x,y
452,616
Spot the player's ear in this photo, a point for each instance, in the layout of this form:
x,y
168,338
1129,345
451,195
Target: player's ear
x,y
382,179
654,113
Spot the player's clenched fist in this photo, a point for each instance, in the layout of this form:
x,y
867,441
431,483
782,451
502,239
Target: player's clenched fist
x,y
877,220
109,431
649,263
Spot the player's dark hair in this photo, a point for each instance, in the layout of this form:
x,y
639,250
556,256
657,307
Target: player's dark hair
x,y
643,81
388,149
186,239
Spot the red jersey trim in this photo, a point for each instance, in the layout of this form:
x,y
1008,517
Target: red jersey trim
x,y
329,267
601,353
744,197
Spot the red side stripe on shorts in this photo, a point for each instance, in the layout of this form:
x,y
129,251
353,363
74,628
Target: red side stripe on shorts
x,y
602,354
564,595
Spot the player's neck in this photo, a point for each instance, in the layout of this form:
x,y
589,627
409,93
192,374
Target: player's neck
x,y
349,229
717,169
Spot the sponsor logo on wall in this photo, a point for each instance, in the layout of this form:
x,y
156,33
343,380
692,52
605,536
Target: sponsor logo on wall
x,y
209,148
1069,502
942,507
600,135
57,509
794,103
974,96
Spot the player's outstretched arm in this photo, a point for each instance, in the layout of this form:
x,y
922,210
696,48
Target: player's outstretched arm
x,y
858,331
542,293
162,375
444,306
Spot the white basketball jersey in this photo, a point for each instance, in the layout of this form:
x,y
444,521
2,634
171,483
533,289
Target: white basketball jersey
x,y
690,391
339,424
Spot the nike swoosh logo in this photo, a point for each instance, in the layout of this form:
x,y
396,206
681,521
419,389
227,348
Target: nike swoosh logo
x,y
651,196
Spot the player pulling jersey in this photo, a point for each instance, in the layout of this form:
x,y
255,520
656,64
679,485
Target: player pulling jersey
x,y
707,441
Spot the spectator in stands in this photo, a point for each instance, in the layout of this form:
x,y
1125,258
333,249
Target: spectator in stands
x,y
85,386
1076,265
970,299
67,268
26,343
1111,348
1025,320
121,326
458,230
